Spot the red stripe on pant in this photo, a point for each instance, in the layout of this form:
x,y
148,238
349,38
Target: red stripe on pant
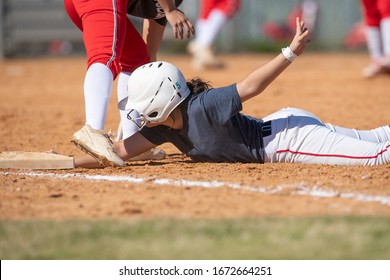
x,y
333,155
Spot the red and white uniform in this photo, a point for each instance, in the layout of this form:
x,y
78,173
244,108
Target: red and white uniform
x,y
228,7
114,47
109,36
375,11
377,19
213,16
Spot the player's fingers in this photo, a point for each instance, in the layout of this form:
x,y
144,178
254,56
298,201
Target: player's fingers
x,y
302,36
302,25
179,28
187,24
189,29
298,25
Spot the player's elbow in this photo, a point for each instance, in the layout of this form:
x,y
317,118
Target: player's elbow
x,y
248,90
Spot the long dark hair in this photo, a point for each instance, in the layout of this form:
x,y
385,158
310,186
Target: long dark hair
x,y
197,85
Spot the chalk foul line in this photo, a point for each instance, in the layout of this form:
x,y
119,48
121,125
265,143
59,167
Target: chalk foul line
x,y
295,189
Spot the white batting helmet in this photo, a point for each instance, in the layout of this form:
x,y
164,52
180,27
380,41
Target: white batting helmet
x,y
154,90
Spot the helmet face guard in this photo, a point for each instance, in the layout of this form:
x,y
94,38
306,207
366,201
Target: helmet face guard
x,y
154,91
139,120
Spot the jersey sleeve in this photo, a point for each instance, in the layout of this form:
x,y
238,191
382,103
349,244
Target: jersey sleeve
x,y
220,104
157,135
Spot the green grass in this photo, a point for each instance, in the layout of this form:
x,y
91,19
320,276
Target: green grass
x,y
267,238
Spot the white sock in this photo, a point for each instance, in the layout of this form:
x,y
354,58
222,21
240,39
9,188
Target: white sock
x,y
211,28
200,24
374,42
385,31
97,92
128,127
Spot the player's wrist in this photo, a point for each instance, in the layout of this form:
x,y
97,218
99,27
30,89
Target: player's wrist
x,y
289,54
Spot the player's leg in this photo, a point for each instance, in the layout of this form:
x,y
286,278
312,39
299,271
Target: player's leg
x,y
103,25
127,128
279,125
300,137
134,54
213,16
72,13
376,135
217,17
374,38
384,9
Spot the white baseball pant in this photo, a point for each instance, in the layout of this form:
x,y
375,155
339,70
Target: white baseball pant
x,y
299,136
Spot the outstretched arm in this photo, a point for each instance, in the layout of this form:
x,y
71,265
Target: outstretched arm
x,y
260,78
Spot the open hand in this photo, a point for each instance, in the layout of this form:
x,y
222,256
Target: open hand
x,y
300,40
180,24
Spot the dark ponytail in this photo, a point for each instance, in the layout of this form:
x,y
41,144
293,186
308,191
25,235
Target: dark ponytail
x,y
197,85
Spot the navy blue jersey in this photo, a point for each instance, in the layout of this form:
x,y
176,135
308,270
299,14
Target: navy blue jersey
x,y
149,9
213,130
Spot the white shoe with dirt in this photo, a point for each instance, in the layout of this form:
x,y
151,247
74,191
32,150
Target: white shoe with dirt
x,y
97,144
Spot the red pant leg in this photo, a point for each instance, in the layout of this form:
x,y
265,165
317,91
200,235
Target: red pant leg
x,y
371,12
228,7
105,27
384,8
135,52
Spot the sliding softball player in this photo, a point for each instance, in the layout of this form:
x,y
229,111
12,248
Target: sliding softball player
x,y
206,124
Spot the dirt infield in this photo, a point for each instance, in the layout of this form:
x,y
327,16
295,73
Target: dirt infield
x,y
41,105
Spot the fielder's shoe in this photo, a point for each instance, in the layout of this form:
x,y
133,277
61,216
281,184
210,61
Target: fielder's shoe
x,y
192,47
152,154
377,67
203,57
373,69
386,63
97,144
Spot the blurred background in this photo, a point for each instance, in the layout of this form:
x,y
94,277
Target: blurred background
x,y
42,27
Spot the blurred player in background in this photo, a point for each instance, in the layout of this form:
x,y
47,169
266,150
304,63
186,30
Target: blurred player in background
x,y
377,20
114,46
213,16
282,31
206,123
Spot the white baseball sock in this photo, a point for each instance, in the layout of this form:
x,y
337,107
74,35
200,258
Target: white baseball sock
x,y
385,32
97,92
200,26
211,28
128,127
374,42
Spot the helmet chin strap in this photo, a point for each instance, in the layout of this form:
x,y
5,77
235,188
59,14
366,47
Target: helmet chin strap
x,y
140,122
